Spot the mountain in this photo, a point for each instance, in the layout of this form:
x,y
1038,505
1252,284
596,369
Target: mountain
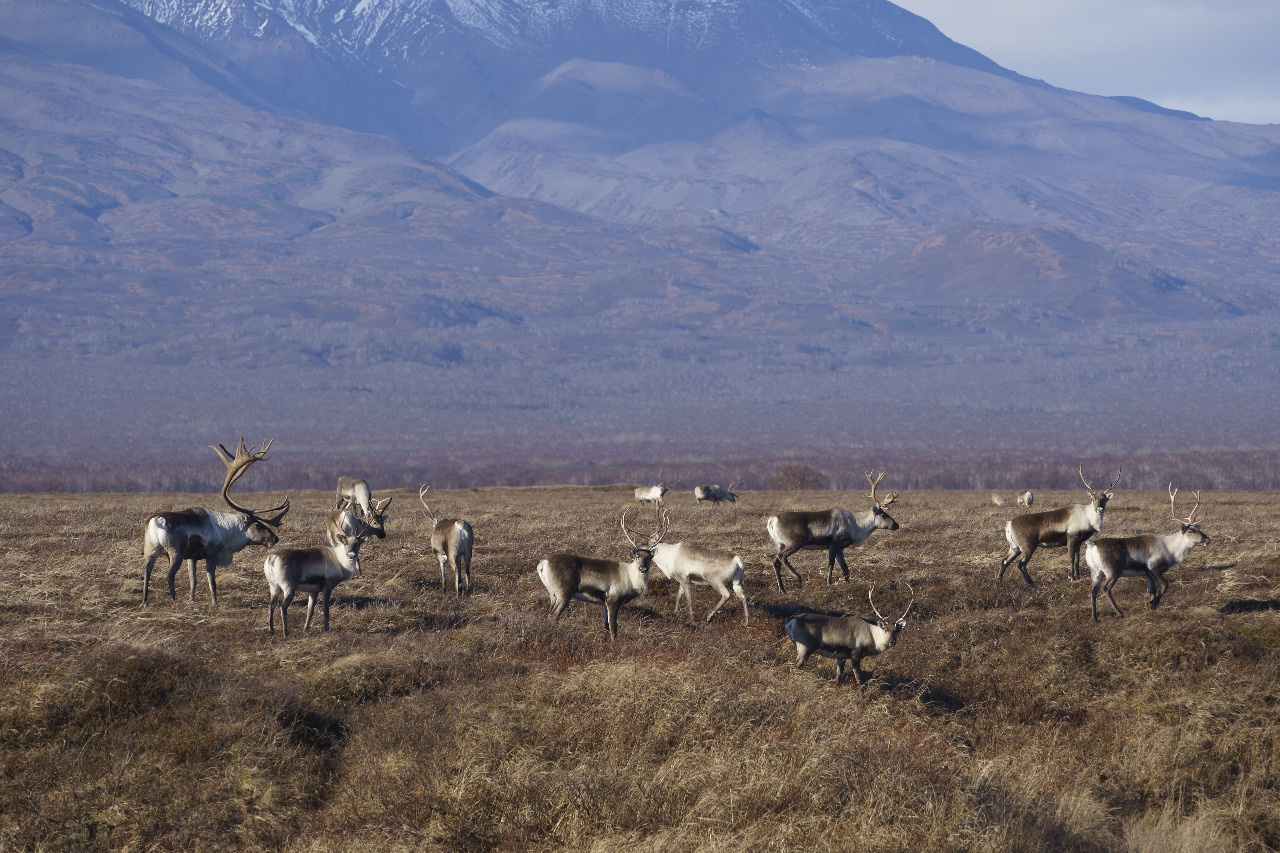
x,y
559,236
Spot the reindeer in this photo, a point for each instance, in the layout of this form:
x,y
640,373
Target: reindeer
x,y
845,637
203,534
1070,526
831,530
1148,556
717,494
1028,497
452,540
688,564
358,491
609,582
345,519
315,571
653,494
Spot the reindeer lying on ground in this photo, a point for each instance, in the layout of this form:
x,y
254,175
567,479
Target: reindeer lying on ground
x,y
204,534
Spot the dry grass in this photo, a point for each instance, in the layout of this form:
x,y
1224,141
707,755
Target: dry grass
x,y
1004,720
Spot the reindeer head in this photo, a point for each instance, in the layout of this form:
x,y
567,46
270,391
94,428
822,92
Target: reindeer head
x,y
891,628
259,524
1189,526
645,552
882,519
1099,499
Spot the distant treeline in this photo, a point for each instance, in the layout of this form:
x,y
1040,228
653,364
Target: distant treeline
x,y
1202,469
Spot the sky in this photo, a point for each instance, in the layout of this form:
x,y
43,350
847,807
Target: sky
x,y
1215,58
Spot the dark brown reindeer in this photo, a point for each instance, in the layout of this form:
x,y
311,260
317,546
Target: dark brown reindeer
x,y
1147,556
609,582
830,530
845,637
204,534
1071,526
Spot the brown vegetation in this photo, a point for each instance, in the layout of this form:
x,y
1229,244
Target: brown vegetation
x,y
1003,720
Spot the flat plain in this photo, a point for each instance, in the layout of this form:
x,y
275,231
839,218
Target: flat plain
x,y
1005,718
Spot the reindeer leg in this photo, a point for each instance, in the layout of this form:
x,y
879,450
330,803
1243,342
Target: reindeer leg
x,y
209,569
802,655
466,558
146,571
324,602
557,607
311,607
844,567
284,610
611,617
444,578
1073,555
783,557
457,575
1106,588
737,588
840,670
175,563
724,596
1014,551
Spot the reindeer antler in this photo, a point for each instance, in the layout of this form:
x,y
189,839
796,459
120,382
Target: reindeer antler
x,y
237,464
422,496
893,496
1089,485
664,525
904,613
1190,519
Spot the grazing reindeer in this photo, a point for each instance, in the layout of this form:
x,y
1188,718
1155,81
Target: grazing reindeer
x,y
344,519
609,582
358,491
1027,498
831,530
1070,526
653,494
845,638
203,534
693,564
717,494
1147,556
452,540
998,500
315,571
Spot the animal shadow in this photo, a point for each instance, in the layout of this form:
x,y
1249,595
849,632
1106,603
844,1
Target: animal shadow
x,y
1250,605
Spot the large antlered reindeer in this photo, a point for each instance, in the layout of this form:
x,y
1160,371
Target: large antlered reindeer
x,y
1071,526
204,534
1147,556
830,530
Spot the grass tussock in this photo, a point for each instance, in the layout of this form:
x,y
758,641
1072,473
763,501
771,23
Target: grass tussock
x,y
1005,719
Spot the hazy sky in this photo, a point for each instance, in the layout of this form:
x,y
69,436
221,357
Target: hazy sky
x,y
1217,58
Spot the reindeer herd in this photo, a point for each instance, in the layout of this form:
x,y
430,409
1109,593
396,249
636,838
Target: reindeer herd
x,y
215,537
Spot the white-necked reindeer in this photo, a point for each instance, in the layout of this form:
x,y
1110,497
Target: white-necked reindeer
x,y
204,534
1147,556
845,637
314,571
688,564
612,583
452,541
1071,526
653,494
717,494
830,530
347,518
